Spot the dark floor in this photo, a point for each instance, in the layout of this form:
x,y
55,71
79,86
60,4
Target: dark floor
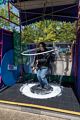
x,y
67,101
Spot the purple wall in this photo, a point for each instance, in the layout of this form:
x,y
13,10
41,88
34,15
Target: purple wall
x,y
6,43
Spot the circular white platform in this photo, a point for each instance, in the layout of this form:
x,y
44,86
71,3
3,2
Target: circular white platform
x,y
25,90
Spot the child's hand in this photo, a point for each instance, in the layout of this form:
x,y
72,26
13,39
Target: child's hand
x,y
37,62
33,69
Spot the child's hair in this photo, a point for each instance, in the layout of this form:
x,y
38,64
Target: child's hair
x,y
43,44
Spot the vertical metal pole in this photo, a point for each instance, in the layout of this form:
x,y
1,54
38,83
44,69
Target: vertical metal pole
x,y
21,66
44,18
8,10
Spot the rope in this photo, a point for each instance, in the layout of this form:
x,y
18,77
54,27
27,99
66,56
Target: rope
x,y
71,17
52,13
60,10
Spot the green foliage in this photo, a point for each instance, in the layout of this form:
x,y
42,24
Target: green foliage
x,y
17,47
4,13
49,30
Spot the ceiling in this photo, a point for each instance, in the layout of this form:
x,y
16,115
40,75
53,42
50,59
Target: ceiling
x,y
33,4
